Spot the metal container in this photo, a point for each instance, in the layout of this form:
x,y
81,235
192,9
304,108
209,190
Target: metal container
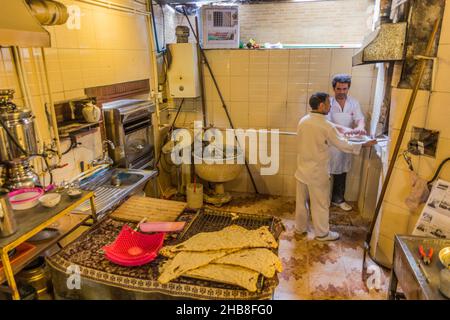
x,y
7,221
36,275
21,126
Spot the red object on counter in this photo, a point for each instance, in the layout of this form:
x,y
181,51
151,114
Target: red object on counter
x,y
426,257
132,248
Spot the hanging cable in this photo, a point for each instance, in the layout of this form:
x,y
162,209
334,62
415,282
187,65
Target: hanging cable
x,y
438,171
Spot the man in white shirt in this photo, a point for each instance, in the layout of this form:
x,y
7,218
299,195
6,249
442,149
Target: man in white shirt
x,y
315,134
345,113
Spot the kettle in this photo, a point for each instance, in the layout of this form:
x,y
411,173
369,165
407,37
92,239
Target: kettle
x,y
7,222
91,112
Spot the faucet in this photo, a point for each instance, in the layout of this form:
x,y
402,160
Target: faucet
x,y
105,159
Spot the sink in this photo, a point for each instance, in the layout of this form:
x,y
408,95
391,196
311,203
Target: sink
x,y
111,186
124,179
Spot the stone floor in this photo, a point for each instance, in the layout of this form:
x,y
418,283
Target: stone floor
x,y
313,269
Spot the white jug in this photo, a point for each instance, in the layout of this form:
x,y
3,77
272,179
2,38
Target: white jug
x,y
91,112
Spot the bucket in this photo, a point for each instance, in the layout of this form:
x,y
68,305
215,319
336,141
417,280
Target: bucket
x,y
37,275
194,198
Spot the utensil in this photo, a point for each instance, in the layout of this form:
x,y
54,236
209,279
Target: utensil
x,y
162,226
425,273
74,192
132,248
50,200
46,234
26,198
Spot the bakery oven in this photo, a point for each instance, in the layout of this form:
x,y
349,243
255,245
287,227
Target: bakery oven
x,y
129,125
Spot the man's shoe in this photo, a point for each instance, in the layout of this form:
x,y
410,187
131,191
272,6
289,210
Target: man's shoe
x,y
300,235
343,205
331,236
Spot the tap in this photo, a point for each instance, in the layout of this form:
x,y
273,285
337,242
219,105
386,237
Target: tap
x,y
105,159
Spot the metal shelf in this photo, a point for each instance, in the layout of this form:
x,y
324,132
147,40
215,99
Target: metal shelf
x,y
42,246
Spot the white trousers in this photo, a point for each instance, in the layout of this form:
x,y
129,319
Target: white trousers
x,y
319,205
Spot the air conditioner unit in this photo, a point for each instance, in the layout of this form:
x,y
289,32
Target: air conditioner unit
x,y
219,27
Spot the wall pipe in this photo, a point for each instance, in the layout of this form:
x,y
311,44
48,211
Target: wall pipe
x,y
51,106
115,6
220,95
154,67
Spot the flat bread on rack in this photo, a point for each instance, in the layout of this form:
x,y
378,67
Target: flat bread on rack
x,y
231,237
229,274
262,260
185,261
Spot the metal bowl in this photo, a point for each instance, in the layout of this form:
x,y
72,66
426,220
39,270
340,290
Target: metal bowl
x,y
46,234
444,257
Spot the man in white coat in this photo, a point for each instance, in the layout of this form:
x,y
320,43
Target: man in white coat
x,y
345,113
315,134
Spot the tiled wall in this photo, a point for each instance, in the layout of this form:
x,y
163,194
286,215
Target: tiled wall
x,y
270,89
332,22
307,22
431,110
110,47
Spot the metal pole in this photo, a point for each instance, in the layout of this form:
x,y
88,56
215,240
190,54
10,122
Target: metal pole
x,y
221,97
200,74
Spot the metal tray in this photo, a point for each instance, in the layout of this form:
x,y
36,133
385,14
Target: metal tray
x,y
209,220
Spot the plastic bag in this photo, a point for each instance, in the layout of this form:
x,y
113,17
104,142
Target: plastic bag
x,y
419,192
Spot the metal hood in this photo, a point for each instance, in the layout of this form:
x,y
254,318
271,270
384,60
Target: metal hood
x,y
387,43
18,26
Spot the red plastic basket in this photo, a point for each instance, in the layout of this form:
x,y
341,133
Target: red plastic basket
x,y
132,248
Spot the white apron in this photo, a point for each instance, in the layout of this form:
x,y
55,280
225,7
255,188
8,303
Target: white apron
x,y
340,162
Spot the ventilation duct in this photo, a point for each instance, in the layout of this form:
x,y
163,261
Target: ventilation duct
x,y
20,22
387,43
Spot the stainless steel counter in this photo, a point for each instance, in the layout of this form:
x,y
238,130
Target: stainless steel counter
x,y
109,194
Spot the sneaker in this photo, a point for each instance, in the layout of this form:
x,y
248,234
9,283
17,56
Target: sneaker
x,y
331,236
300,235
343,205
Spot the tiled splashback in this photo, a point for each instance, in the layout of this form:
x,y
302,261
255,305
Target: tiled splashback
x,y
270,89
109,47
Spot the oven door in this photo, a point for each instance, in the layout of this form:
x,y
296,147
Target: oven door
x,y
138,144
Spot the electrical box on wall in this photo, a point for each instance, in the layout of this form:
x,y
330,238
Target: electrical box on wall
x,y
183,71
219,27
423,142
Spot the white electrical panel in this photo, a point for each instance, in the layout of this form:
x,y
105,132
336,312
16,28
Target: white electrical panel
x,y
219,26
183,71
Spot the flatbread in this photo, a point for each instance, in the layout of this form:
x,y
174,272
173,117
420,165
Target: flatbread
x,y
185,261
261,260
234,275
165,251
232,237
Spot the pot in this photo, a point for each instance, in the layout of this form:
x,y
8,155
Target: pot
x,y
91,112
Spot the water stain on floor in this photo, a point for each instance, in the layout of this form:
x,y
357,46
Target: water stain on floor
x,y
313,269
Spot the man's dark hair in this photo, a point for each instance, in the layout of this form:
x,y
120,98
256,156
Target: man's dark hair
x,y
317,98
342,78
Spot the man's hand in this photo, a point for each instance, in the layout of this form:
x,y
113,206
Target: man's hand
x,y
345,131
370,143
359,131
